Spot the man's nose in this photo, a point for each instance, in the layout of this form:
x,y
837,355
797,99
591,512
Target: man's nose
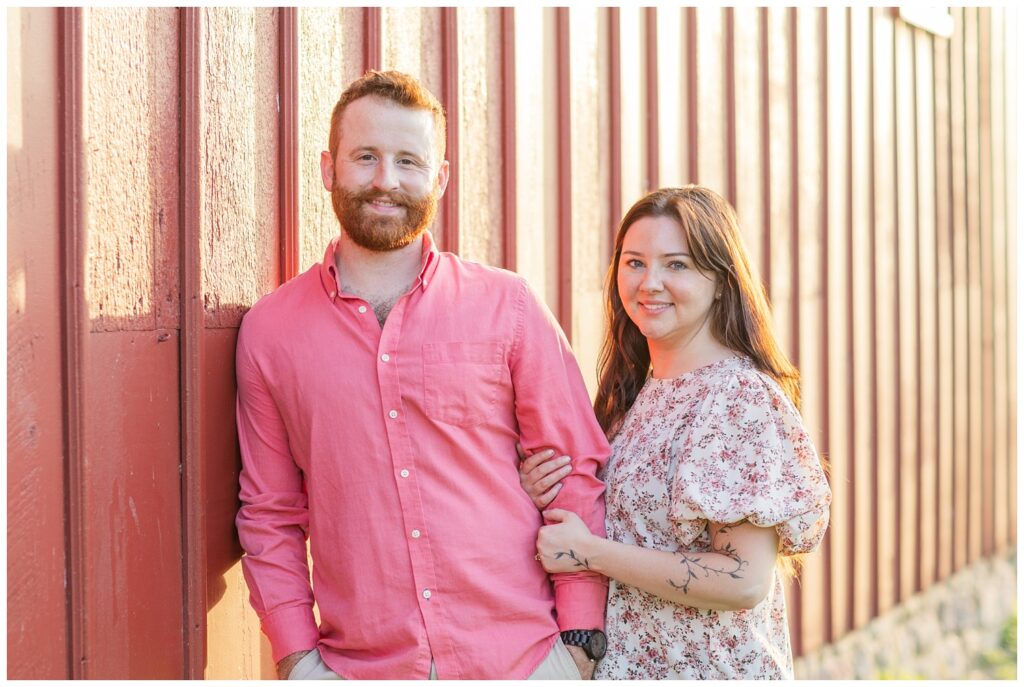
x,y
385,177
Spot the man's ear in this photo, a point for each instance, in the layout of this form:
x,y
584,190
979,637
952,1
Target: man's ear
x,y
442,178
327,170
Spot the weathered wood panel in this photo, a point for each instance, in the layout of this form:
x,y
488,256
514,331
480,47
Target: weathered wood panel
x,y
36,560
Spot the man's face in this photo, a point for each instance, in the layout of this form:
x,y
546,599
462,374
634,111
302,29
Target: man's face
x,y
385,182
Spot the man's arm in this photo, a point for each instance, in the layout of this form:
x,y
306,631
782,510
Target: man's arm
x,y
274,518
553,409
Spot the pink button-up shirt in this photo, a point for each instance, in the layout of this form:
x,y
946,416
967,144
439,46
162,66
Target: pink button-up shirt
x,y
393,449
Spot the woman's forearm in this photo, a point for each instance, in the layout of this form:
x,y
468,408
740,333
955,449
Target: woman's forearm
x,y
723,580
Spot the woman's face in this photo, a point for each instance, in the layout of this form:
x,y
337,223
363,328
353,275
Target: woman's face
x,y
664,294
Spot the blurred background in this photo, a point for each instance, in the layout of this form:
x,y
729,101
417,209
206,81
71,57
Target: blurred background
x,y
162,175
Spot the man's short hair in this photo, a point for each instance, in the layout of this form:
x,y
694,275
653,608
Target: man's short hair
x,y
399,88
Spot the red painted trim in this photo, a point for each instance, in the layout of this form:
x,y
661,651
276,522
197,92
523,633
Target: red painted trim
x,y
615,127
693,93
73,330
564,86
450,100
288,60
653,124
730,105
371,38
508,135
192,326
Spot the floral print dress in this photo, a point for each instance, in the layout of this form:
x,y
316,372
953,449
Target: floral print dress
x,y
720,443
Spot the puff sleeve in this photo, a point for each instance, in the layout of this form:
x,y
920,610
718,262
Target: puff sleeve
x,y
748,456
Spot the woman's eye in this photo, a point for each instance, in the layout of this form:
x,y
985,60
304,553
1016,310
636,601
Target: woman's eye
x,y
677,265
635,264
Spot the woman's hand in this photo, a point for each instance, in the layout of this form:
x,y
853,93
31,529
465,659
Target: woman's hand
x,y
541,475
564,546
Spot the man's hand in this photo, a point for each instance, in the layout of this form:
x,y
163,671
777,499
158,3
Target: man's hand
x,y
285,665
583,662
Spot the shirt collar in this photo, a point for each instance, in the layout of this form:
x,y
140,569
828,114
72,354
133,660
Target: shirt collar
x,y
429,257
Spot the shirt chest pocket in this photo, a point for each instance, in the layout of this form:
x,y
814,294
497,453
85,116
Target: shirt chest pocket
x,y
461,380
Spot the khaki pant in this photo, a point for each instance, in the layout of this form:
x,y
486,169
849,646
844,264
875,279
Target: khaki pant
x,y
558,665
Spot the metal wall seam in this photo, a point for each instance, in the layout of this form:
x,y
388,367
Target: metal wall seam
x,y
73,328
288,103
192,327
508,136
371,38
564,105
450,101
651,75
614,127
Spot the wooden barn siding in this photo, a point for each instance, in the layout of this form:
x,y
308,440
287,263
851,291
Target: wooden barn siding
x,y
871,162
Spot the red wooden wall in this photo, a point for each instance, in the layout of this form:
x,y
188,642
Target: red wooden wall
x,y
162,177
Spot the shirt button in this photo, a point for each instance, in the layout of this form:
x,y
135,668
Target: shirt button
x,y
333,294
385,357
393,414
426,593
415,534
404,473
362,308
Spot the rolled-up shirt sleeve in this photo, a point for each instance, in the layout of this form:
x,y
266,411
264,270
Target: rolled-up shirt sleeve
x,y
554,410
273,522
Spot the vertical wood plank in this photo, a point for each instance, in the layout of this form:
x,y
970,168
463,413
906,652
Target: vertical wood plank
x,y
985,258
928,390
37,526
961,391
811,251
372,38
288,66
1001,456
975,445
945,427
73,327
1012,80
193,323
780,196
710,106
866,546
508,136
886,323
839,299
749,198
563,96
450,100
652,97
907,314
615,209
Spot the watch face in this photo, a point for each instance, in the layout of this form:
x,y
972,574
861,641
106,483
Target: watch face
x,y
598,645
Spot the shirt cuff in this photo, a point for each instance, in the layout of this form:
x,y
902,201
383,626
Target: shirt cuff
x,y
291,629
580,602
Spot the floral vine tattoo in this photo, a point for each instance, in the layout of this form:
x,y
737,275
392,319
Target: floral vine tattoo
x,y
694,564
572,554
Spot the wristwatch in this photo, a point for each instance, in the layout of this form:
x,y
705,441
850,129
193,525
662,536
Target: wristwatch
x,y
593,642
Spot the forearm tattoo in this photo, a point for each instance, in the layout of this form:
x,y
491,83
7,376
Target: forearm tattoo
x,y
694,565
572,554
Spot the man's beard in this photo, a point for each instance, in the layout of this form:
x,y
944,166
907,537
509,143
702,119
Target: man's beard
x,y
382,233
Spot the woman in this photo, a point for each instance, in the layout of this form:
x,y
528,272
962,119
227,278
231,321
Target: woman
x,y
713,479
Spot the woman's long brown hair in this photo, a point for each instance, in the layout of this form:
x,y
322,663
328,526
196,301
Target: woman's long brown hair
x,y
740,318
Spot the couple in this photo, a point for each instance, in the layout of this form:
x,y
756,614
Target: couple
x,y
381,397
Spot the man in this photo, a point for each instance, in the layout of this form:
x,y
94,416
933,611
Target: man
x,y
380,398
